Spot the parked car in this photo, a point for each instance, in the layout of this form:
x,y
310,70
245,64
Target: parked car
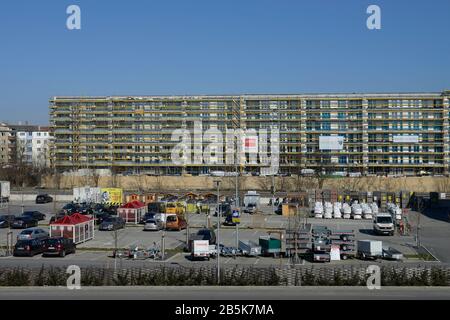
x,y
58,246
43,198
100,217
147,216
32,233
28,248
112,223
6,220
70,208
175,222
152,225
24,222
85,209
250,209
57,217
207,234
35,215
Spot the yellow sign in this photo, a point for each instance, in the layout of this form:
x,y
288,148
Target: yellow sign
x,y
112,196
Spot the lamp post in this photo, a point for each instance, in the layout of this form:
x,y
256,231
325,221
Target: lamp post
x,y
217,182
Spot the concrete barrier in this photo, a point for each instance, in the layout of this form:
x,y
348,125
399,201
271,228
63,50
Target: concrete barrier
x,y
32,197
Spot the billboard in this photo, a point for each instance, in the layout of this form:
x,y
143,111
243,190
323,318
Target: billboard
x,y
406,139
112,196
331,142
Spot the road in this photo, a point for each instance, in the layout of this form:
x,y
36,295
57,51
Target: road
x,y
225,293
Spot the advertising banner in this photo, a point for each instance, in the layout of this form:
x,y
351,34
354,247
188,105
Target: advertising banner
x,y
331,142
112,196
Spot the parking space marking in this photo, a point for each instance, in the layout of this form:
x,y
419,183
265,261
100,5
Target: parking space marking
x,y
257,260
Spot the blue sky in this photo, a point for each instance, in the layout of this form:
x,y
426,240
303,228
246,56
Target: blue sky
x,y
216,47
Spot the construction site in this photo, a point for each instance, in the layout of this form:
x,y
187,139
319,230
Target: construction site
x,y
401,134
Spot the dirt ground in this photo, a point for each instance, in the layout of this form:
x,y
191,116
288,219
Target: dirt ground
x,y
289,184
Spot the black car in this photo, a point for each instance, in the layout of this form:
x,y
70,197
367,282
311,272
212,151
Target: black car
x,y
111,224
207,234
24,222
147,216
28,248
6,220
35,215
85,209
43,198
100,217
70,208
57,217
58,246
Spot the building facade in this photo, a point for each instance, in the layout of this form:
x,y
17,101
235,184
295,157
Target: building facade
x,y
5,134
33,147
392,133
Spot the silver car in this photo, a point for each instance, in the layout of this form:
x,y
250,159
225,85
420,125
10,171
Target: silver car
x,y
32,233
152,225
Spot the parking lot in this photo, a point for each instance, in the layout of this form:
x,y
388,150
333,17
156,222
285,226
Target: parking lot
x,y
252,227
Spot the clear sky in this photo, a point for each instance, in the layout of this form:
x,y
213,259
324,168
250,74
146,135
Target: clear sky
x,y
216,47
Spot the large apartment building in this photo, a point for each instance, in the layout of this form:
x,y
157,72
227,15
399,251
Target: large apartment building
x,y
383,133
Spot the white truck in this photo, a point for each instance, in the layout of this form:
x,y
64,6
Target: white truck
x,y
384,224
4,191
201,249
252,201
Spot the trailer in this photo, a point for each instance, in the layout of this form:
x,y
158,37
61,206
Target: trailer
x,y
270,246
249,248
390,253
200,249
370,249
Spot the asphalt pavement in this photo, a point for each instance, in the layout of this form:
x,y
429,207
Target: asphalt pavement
x,y
225,293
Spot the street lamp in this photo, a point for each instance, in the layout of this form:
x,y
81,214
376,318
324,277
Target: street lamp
x,y
217,183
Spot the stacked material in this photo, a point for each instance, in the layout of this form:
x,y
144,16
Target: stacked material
x,y
374,208
337,210
395,211
328,210
366,211
356,210
346,211
318,210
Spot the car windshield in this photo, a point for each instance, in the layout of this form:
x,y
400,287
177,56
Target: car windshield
x,y
151,221
203,233
384,219
27,232
171,219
